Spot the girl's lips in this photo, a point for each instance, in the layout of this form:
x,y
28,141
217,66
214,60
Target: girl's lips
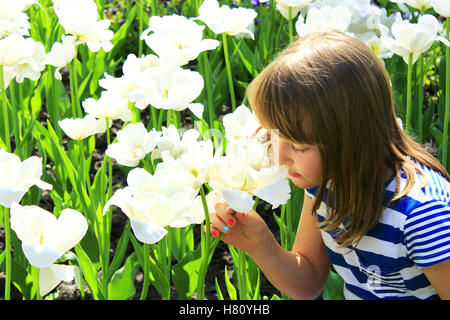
x,y
293,174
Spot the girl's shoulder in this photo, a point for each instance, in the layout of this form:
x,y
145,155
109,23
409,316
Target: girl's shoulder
x,y
429,186
425,214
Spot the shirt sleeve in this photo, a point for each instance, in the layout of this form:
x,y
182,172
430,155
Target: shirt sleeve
x,y
427,233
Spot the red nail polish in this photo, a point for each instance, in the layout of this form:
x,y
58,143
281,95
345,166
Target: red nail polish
x,y
231,222
215,233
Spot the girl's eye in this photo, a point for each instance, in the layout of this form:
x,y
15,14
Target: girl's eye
x,y
302,150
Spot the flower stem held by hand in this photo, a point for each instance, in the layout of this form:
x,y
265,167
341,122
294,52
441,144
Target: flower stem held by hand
x,y
205,247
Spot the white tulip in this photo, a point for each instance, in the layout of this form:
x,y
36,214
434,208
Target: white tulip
x,y
21,57
11,8
174,142
442,7
15,49
418,4
133,144
223,19
245,172
240,124
79,18
170,87
18,176
81,128
191,167
17,24
44,237
51,276
110,106
295,5
324,19
412,38
373,42
31,68
61,54
196,213
152,202
176,38
129,82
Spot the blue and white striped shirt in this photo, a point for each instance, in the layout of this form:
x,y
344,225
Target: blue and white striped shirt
x,y
413,233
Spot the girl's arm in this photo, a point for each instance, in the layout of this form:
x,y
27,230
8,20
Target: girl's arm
x,y
300,273
439,277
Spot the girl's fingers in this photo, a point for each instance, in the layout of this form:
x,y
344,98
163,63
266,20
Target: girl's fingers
x,y
218,223
226,214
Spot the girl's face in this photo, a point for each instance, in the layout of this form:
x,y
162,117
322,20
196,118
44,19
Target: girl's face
x,y
302,161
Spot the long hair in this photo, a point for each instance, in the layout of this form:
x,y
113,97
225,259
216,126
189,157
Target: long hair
x,y
330,90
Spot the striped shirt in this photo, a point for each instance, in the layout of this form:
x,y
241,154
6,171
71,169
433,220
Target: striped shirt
x,y
413,233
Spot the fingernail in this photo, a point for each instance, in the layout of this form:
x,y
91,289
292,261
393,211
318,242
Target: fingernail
x,y
231,222
226,228
215,233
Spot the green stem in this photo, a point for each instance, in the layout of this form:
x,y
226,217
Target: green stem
x,y
209,91
291,29
228,66
205,247
420,96
35,275
107,221
154,8
4,101
7,227
75,99
409,95
141,23
242,275
447,99
146,271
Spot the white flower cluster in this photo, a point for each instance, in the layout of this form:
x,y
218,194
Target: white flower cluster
x,y
170,196
44,237
385,35
23,57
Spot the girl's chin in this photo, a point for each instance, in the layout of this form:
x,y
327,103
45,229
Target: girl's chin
x,y
301,183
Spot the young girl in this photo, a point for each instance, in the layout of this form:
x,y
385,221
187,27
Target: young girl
x,y
376,204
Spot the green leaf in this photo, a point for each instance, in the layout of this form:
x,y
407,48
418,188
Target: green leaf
x,y
121,248
334,287
185,274
158,279
232,292
19,276
122,286
89,272
219,292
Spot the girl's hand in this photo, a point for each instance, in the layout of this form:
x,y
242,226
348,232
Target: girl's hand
x,y
244,231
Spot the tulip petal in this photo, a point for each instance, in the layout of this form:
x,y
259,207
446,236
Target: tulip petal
x,y
240,201
39,255
70,228
146,231
276,194
51,276
9,196
197,109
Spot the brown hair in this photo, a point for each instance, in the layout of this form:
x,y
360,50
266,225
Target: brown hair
x,y
332,91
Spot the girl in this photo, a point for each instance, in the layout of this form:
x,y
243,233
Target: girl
x,y
376,204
